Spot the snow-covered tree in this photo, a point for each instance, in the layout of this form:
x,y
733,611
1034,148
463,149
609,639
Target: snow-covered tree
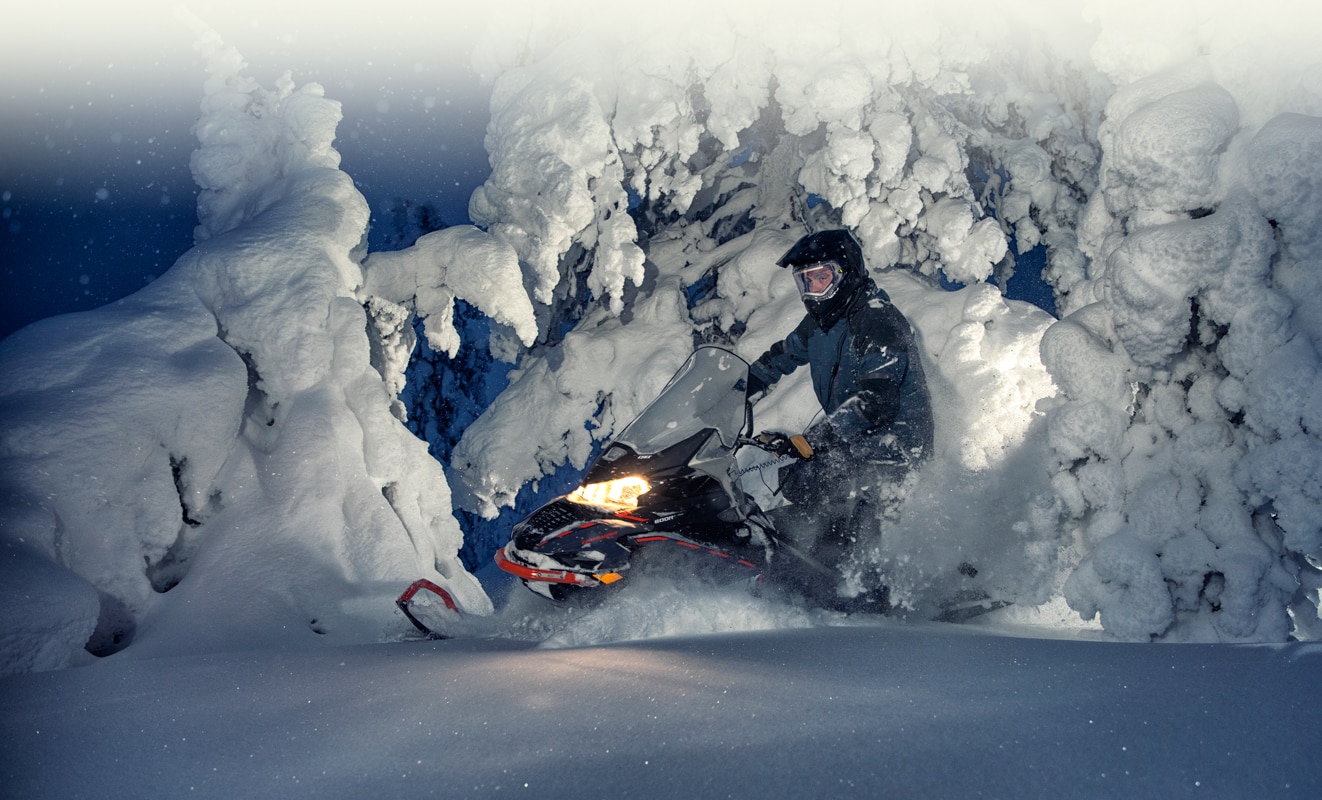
x,y
212,462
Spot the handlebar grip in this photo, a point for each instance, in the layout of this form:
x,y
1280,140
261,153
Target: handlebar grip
x,y
801,444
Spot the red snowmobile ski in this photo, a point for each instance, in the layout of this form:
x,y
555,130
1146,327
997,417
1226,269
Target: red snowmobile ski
x,y
421,603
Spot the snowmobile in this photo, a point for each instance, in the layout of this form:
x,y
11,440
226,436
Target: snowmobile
x,y
666,489
662,496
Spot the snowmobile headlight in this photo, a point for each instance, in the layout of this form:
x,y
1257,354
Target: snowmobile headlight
x,y
619,495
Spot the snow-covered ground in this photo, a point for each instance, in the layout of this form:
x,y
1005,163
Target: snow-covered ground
x,y
868,710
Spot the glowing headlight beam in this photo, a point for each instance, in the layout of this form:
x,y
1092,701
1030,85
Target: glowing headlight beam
x,y
618,495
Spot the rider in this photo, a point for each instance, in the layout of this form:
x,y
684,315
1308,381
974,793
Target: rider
x,y
868,377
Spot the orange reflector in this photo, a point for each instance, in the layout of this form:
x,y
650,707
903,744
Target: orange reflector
x,y
609,577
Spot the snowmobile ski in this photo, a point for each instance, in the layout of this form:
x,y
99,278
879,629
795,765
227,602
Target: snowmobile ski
x,y
420,604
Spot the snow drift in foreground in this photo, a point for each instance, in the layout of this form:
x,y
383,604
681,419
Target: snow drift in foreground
x,y
874,710
218,461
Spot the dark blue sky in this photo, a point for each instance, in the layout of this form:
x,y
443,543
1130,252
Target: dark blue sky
x,y
96,196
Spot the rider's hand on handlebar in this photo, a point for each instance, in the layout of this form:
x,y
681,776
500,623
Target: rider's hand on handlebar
x,y
783,445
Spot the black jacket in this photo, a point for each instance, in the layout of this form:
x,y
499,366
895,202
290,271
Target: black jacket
x,y
868,376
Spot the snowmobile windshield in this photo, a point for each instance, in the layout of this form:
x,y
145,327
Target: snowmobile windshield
x,y
708,392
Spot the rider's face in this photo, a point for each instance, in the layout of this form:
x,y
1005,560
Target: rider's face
x,y
816,280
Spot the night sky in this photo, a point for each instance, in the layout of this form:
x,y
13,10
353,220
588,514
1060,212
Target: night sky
x,y
96,196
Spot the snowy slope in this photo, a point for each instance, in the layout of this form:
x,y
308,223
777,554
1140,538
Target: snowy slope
x,y
858,711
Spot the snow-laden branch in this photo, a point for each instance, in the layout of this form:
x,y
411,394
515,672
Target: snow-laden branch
x,y
460,262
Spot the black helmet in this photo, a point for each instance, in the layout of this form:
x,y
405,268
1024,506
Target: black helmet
x,y
828,268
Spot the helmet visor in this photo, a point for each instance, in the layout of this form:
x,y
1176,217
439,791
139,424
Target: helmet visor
x,y
818,281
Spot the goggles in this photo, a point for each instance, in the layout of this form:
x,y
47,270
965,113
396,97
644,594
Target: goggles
x,y
818,281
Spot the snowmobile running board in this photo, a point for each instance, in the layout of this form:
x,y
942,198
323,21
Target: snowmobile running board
x,y
406,599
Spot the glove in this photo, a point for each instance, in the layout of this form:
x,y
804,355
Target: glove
x,y
822,439
782,445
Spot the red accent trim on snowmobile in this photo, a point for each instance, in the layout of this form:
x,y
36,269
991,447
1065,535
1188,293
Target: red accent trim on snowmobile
x,y
404,600
527,573
571,529
740,561
610,535
631,517
544,575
